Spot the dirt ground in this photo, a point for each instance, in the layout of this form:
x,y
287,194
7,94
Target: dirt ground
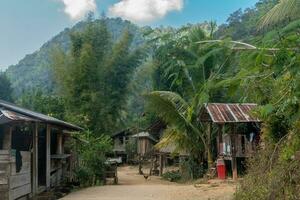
x,y
134,187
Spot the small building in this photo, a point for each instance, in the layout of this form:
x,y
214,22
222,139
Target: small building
x,y
35,153
145,143
169,155
238,131
120,140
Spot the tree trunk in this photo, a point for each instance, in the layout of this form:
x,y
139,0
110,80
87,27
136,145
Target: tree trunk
x,y
209,147
140,165
210,160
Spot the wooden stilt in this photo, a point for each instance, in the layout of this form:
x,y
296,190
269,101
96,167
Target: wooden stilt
x,y
220,139
161,165
140,165
209,146
48,157
35,167
233,154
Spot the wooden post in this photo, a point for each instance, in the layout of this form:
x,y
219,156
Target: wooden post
x,y
209,150
161,164
35,157
124,142
220,138
7,165
59,143
48,157
233,153
140,165
7,137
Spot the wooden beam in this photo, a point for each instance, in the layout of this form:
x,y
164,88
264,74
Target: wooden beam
x,y
233,153
35,157
48,157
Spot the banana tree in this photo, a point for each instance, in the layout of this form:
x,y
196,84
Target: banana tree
x,y
285,9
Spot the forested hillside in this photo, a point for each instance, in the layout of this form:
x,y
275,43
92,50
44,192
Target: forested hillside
x,y
33,72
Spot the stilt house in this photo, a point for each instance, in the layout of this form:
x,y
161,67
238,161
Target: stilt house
x,y
238,132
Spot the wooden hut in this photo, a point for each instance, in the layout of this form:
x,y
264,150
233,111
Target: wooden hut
x,y
237,130
120,140
145,143
33,152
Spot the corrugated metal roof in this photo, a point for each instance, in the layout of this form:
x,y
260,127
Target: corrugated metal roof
x,y
14,111
145,135
230,113
7,115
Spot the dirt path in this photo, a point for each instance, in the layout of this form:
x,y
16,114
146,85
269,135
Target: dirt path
x,y
135,187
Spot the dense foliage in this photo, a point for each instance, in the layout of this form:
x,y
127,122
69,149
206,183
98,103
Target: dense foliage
x,y
186,75
92,151
267,76
51,105
5,88
94,77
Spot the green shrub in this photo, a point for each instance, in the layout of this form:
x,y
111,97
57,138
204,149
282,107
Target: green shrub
x,y
191,169
92,155
172,176
270,176
83,175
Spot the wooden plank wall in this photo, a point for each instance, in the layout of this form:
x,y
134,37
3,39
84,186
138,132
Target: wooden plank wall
x,y
20,182
12,184
4,170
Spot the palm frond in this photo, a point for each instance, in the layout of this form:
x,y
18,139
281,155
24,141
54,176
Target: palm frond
x,y
169,106
174,110
284,9
173,140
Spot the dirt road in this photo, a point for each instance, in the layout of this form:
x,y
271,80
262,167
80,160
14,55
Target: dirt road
x,y
135,187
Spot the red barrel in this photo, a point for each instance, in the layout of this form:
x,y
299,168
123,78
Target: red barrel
x,y
221,169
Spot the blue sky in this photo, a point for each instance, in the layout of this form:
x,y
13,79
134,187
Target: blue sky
x,y
26,24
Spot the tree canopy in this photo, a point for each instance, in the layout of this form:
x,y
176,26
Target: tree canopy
x,y
94,77
5,88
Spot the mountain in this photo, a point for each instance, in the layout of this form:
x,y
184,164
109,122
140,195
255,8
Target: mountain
x,y
34,70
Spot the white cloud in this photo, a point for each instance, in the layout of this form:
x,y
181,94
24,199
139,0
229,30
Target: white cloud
x,y
77,9
142,11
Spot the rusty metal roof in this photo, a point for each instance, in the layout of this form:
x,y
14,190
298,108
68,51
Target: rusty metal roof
x,y
7,115
17,113
229,113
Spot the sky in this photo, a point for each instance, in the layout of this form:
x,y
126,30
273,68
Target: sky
x,y
27,24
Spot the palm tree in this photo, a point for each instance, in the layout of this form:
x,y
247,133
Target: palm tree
x,y
281,11
185,130
188,70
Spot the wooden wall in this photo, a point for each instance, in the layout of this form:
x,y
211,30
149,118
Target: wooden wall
x,y
119,145
245,149
144,146
20,182
14,184
4,173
